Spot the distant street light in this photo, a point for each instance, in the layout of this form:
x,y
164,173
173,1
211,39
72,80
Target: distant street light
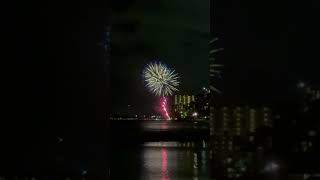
x,y
301,84
60,139
195,114
271,167
84,172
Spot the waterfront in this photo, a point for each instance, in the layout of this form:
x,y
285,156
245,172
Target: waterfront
x,y
164,150
161,160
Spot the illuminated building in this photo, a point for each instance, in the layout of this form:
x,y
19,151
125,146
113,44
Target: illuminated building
x,y
313,93
235,121
308,130
182,104
183,100
201,105
310,93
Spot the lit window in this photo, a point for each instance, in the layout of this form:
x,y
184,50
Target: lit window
x,y
251,138
312,133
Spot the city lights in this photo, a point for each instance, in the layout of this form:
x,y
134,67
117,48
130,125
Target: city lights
x,y
195,114
271,167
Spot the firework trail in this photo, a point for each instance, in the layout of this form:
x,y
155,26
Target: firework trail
x,y
161,81
164,108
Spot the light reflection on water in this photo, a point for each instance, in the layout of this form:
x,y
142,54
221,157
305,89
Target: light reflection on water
x,y
164,164
178,161
165,161
202,144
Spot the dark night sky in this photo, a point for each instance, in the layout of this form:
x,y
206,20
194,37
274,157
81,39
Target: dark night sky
x,y
256,50
269,46
56,86
174,32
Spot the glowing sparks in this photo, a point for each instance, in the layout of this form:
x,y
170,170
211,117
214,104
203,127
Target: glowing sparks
x,y
164,108
214,68
160,80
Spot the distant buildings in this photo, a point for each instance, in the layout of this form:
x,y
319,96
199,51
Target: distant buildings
x,y
309,93
183,100
183,105
307,130
306,142
312,93
229,122
239,136
192,106
232,126
239,121
202,106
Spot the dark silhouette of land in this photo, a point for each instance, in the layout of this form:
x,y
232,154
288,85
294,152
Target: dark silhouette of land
x,y
149,130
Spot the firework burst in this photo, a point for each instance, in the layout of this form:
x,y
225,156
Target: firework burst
x,y
160,80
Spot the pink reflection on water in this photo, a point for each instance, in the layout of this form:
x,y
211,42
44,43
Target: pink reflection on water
x,y
164,164
164,126
164,105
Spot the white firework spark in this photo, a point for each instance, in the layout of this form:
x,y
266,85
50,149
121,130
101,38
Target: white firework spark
x,y
214,68
160,80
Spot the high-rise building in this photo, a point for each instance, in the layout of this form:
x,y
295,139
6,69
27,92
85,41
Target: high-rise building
x,y
310,92
230,122
183,100
182,104
313,93
202,104
239,121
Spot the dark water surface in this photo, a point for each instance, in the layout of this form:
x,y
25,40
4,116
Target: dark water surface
x,y
161,161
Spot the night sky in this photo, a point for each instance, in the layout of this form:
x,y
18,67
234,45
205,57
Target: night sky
x,y
268,48
56,87
174,32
